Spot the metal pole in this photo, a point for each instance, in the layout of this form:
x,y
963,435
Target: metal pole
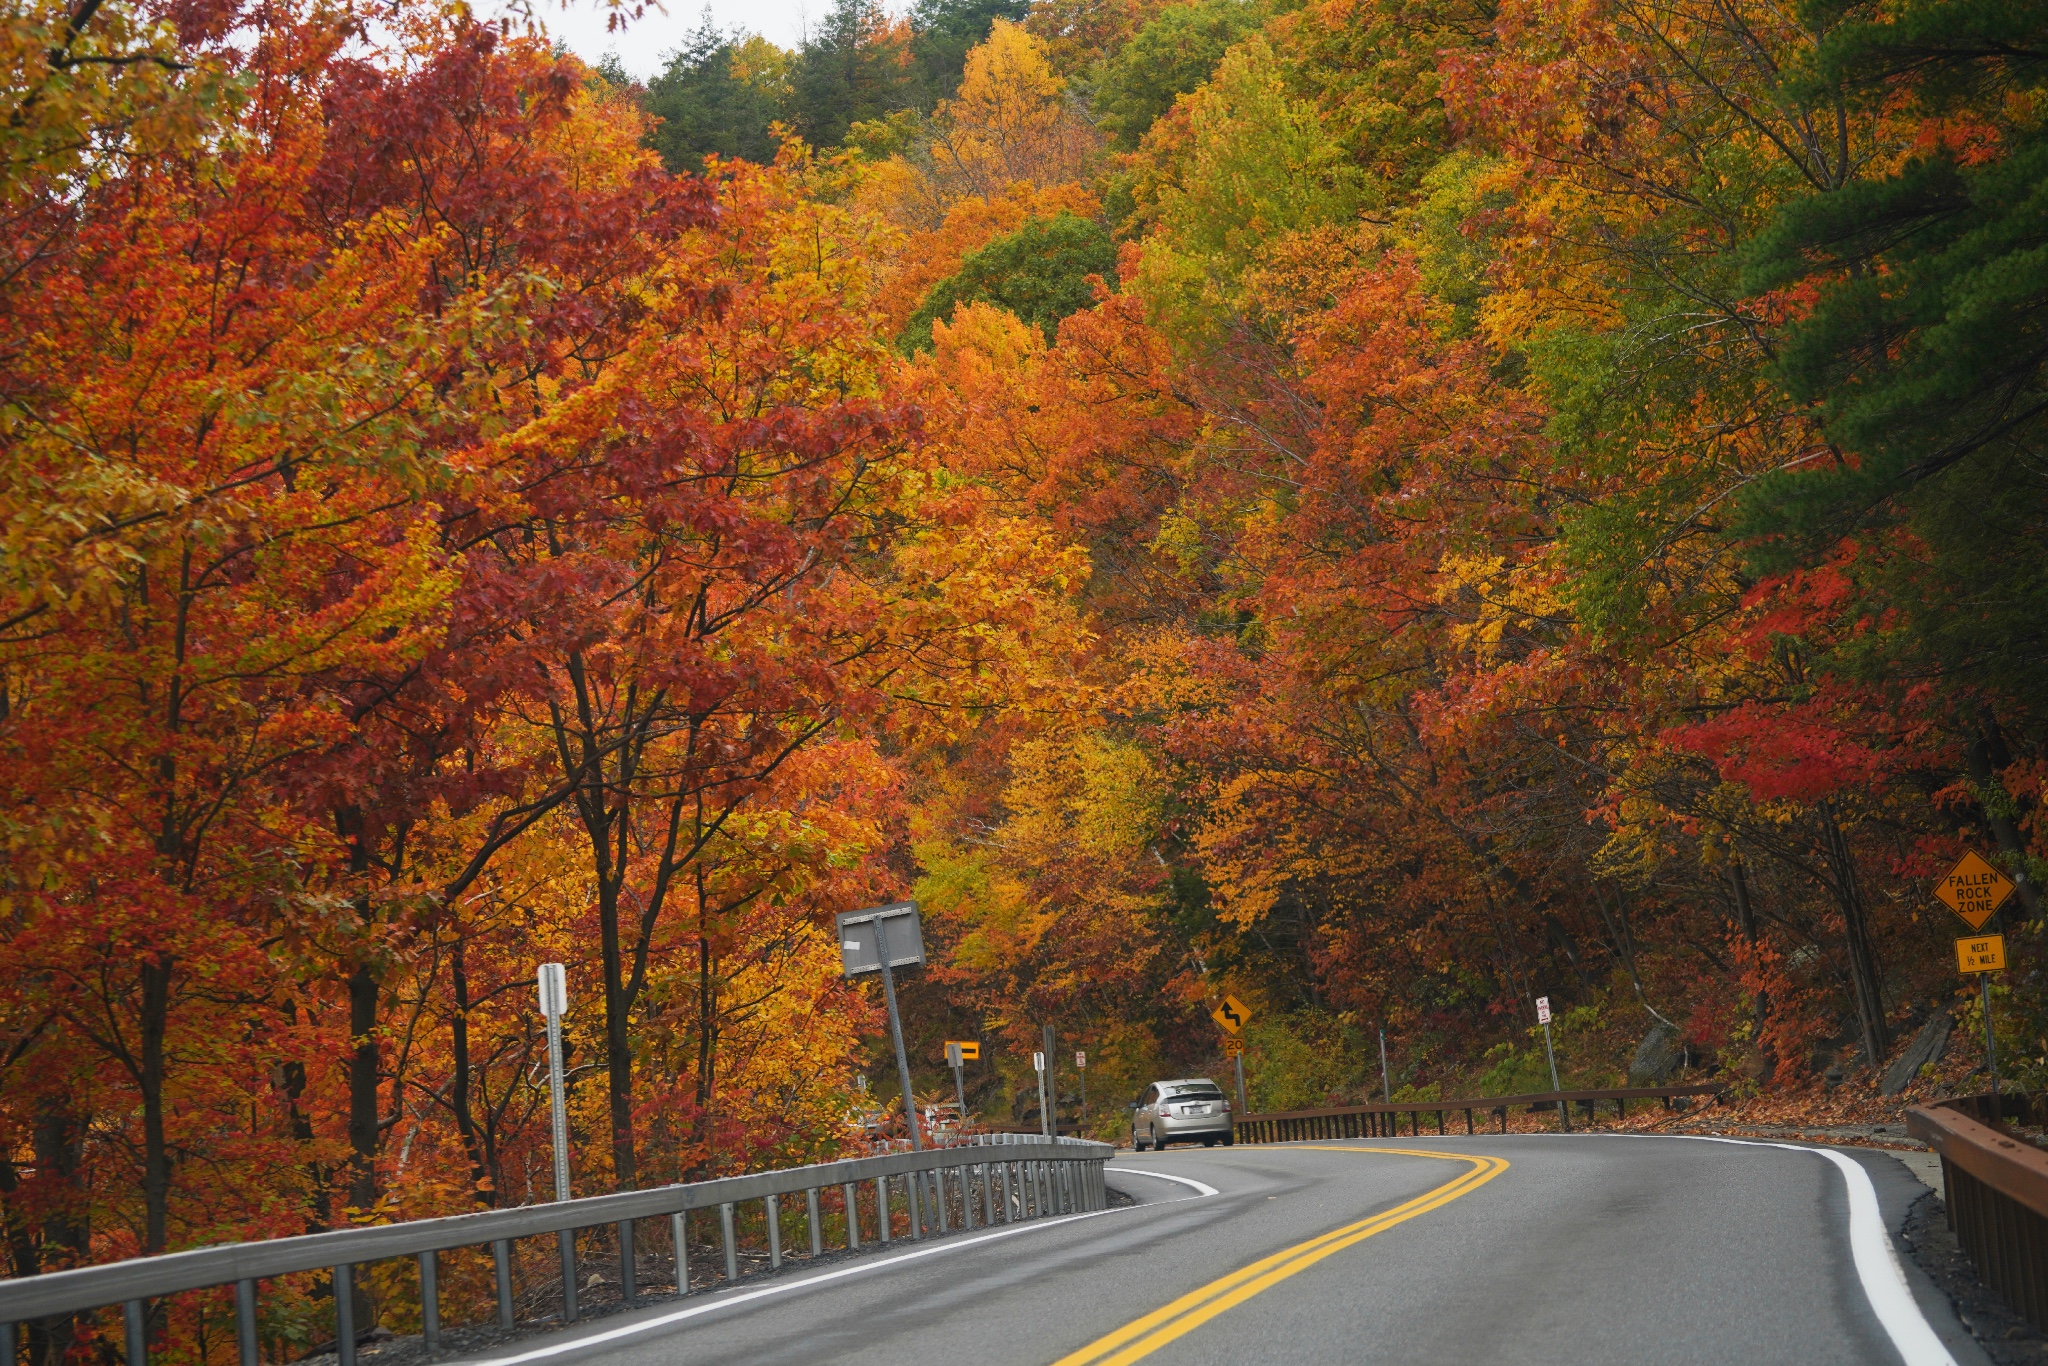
x,y
1081,1066
554,1001
1991,1047
960,1092
1052,1087
344,1314
1386,1078
896,1032
1564,1115
1238,1062
1043,1122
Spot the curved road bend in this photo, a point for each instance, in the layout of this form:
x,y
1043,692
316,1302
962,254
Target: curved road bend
x,y
1516,1250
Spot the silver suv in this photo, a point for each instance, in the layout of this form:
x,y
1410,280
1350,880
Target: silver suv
x,y
1181,1112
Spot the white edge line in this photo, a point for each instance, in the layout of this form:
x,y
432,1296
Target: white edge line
x,y
1200,1188
718,1300
1877,1262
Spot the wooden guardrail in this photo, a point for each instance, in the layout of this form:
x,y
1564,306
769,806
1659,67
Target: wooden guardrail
x,y
1382,1119
1996,1192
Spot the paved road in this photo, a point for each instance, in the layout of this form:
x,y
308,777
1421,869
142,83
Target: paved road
x,y
1519,1249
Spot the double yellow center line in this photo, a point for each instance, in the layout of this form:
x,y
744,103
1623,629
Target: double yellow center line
x,y
1144,1336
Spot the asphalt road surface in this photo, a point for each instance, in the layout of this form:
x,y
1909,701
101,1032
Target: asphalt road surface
x,y
1512,1250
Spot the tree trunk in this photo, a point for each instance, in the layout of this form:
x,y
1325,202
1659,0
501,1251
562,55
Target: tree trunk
x,y
156,1156
618,1042
1745,921
58,1139
465,1121
363,1130
1864,977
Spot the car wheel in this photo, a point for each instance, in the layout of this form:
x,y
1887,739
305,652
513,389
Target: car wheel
x,y
1138,1145
1229,1139
1208,1143
1158,1144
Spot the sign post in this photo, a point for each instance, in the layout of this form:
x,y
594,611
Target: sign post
x,y
957,1054
553,984
554,1003
1231,1017
1975,890
1386,1081
1081,1066
1564,1114
1051,1112
864,946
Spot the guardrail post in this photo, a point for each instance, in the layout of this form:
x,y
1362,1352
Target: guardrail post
x,y
852,1193
732,1256
629,1274
501,1273
430,1300
679,1237
988,1194
910,1192
817,1233
567,1239
134,1318
245,1323
771,1210
345,1314
882,1209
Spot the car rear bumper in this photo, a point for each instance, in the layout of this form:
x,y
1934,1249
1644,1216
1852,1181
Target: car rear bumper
x,y
1194,1126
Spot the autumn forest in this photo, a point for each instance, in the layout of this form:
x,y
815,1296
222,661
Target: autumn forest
x,y
1384,508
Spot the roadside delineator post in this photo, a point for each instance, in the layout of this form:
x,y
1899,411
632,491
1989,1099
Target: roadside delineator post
x,y
1564,1114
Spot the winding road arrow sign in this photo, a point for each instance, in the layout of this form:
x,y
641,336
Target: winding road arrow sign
x,y
1233,1014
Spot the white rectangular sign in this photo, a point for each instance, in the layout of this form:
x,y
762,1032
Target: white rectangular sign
x,y
1542,1010
1038,1062
859,944
554,991
1081,1061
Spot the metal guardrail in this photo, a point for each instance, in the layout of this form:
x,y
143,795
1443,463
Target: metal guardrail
x,y
1002,1181
1382,1119
1996,1192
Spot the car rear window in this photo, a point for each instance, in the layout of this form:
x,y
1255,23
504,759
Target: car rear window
x,y
1195,1092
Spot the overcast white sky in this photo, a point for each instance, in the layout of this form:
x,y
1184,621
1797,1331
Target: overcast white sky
x,y
641,47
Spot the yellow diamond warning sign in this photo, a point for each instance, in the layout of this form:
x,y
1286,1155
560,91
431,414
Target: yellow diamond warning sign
x,y
1974,890
1232,1015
